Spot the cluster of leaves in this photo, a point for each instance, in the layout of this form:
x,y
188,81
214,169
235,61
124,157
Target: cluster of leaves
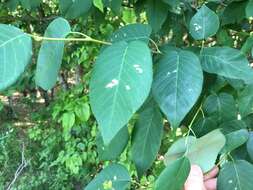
x,y
180,63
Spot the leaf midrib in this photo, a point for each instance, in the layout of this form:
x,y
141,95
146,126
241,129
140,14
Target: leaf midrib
x,y
117,87
176,109
11,39
222,60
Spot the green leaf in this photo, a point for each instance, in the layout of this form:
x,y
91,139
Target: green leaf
x,y
1,106
245,101
178,149
236,83
172,3
116,146
147,136
114,176
15,54
73,9
250,145
227,62
231,126
234,140
99,4
83,112
68,121
204,125
234,13
129,16
202,151
30,4
224,39
246,47
115,5
236,175
117,93
12,4
132,32
177,84
249,9
174,175
205,23
221,106
157,12
51,53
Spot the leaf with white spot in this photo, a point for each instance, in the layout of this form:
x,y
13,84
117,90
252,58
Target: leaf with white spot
x,y
236,175
114,176
204,23
227,62
177,84
51,53
120,83
15,54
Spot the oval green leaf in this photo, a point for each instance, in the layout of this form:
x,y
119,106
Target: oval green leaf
x,y
157,12
221,107
235,139
245,101
115,147
132,32
72,9
115,5
250,145
231,126
114,176
51,53
147,136
120,83
227,62
249,9
178,149
177,84
204,125
202,151
15,54
174,175
205,23
236,175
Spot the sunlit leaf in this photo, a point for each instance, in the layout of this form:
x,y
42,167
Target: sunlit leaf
x,y
205,23
120,83
15,54
51,53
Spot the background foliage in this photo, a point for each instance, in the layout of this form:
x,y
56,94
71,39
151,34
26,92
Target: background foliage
x,y
125,94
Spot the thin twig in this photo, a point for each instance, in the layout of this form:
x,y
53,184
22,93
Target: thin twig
x,y
20,168
86,39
